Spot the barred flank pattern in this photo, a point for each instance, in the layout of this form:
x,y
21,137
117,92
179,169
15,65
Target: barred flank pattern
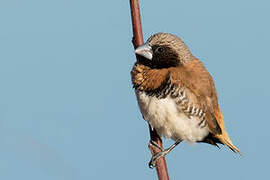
x,y
180,97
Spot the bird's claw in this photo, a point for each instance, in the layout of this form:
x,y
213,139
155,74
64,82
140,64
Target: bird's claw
x,y
163,152
154,158
151,165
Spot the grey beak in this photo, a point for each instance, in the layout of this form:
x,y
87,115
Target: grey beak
x,y
144,50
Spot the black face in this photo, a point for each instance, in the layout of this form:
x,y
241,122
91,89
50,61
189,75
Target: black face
x,y
164,57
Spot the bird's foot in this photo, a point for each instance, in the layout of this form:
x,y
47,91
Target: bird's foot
x,y
154,158
163,152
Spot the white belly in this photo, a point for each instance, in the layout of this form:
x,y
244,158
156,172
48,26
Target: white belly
x,y
169,122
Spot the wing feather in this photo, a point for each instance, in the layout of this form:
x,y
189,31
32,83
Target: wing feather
x,y
200,90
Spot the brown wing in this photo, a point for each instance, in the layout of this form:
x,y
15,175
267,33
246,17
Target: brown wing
x,y
199,82
202,93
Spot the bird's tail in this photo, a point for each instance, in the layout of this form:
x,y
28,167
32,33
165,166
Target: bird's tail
x,y
224,137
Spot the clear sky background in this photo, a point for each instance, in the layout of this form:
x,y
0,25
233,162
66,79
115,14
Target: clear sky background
x,y
67,108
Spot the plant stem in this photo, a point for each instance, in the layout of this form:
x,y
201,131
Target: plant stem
x,y
161,167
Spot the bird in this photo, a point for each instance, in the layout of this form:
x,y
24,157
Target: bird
x,y
177,95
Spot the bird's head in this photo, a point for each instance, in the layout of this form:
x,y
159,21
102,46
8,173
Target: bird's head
x,y
164,50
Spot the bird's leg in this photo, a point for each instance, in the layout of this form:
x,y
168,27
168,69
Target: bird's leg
x,y
163,152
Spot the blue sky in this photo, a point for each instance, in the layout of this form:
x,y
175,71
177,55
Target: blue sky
x,y
67,108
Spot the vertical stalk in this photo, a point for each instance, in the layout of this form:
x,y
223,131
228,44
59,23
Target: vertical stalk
x,y
161,167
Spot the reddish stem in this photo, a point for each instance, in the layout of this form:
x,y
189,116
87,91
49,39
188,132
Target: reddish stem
x,y
161,167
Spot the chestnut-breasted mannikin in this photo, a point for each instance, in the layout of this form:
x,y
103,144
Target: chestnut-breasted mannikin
x,y
176,94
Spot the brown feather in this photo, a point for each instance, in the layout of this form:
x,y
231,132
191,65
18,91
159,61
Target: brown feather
x,y
193,76
146,79
196,78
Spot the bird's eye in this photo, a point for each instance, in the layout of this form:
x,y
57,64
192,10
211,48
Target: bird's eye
x,y
160,50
